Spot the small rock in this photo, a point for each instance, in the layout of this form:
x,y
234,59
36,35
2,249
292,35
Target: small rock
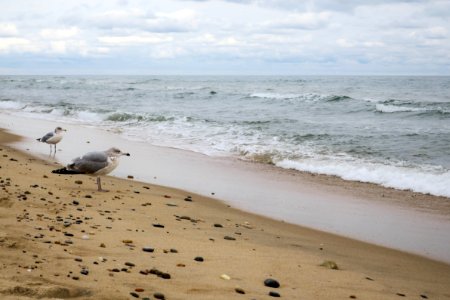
x,y
229,238
401,294
239,290
271,283
78,182
159,296
330,265
148,249
424,296
218,225
158,225
352,297
139,290
274,294
199,258
127,241
84,271
130,177
102,245
225,277
129,264
135,295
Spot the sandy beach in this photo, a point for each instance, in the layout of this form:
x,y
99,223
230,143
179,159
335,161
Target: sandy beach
x,y
60,238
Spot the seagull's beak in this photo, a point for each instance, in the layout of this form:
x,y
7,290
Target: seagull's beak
x,y
126,154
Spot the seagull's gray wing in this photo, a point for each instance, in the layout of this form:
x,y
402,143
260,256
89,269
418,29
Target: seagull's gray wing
x,y
90,162
47,136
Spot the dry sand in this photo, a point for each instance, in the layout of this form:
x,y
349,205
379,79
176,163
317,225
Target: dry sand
x,y
54,228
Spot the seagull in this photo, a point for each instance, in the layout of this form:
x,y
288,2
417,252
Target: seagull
x,y
96,163
53,138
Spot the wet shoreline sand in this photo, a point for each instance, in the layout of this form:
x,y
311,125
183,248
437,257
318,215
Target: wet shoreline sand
x,y
54,230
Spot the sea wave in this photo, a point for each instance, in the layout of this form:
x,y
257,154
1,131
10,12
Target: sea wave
x,y
398,177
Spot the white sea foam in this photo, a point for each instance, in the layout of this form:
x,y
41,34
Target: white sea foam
x,y
398,177
395,108
11,105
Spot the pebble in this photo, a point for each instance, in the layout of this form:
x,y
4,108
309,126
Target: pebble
x,y
148,249
199,258
229,238
78,182
239,290
225,277
159,296
84,271
102,245
127,241
218,225
274,294
271,283
158,225
139,290
424,296
188,199
135,295
129,264
330,265
130,177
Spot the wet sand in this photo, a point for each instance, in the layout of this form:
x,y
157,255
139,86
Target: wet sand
x,y
60,238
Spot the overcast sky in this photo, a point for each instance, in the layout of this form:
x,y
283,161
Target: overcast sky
x,y
373,37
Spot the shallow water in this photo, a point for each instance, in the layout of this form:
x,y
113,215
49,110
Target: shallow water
x,y
393,131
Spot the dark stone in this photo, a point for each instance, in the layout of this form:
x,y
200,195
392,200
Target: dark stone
x,y
135,295
218,225
271,283
165,276
401,294
158,225
199,258
159,296
129,264
148,249
68,234
84,271
239,291
424,296
274,294
75,202
229,238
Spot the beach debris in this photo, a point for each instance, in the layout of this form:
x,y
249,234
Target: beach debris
x,y
230,238
330,265
423,296
218,225
401,294
78,182
225,277
157,225
199,258
148,249
239,290
139,290
130,177
127,241
270,282
274,294
188,199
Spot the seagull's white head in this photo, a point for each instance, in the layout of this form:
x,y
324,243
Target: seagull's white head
x,y
115,152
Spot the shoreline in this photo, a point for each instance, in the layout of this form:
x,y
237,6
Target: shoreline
x,y
260,248
362,211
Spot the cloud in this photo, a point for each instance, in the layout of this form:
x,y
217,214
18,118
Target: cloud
x,y
134,40
8,29
305,21
14,44
59,33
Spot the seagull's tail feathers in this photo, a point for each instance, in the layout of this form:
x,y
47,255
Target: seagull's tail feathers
x,y
66,171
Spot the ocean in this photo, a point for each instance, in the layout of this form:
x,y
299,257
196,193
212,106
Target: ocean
x,y
392,131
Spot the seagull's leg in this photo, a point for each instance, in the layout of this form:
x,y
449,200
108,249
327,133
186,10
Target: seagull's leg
x,y
99,184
